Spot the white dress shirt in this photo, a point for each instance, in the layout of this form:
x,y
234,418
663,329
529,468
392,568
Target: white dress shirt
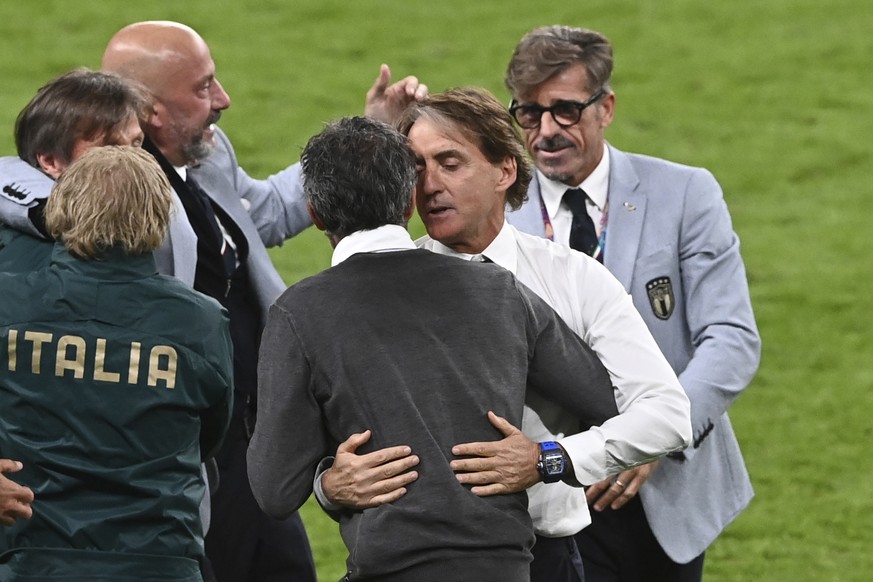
x,y
596,186
654,411
390,237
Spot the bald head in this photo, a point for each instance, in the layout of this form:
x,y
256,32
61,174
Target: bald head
x,y
149,52
172,63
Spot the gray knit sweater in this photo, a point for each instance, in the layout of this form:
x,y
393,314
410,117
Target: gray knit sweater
x,y
416,347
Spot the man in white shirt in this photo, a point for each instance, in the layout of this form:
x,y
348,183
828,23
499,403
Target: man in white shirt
x,y
471,164
417,347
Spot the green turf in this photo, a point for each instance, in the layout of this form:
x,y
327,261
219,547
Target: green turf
x,y
773,96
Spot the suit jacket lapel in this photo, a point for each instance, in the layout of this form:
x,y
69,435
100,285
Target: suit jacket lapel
x,y
178,255
627,209
222,193
265,279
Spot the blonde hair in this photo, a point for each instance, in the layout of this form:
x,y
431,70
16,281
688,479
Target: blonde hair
x,y
112,196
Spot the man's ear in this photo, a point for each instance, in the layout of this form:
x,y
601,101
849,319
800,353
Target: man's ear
x,y
607,109
154,115
508,173
51,164
407,216
315,220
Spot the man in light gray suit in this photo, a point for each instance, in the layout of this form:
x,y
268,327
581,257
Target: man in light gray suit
x,y
664,231
224,221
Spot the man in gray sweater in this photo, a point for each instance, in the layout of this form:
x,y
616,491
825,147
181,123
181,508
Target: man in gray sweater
x,y
418,348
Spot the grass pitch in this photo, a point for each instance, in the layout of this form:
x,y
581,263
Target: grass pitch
x,y
772,96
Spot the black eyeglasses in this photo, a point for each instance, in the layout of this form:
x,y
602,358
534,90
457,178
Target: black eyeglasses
x,y
565,113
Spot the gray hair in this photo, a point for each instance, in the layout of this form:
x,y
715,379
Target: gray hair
x,y
358,174
483,120
547,51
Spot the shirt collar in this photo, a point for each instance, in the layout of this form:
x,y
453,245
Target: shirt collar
x,y
390,237
502,251
596,186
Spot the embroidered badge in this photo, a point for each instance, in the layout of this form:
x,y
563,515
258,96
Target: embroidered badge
x,y
660,291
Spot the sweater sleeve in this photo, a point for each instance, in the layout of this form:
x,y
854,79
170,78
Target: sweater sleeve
x,y
563,368
289,438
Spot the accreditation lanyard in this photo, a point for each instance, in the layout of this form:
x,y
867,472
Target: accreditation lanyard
x,y
598,251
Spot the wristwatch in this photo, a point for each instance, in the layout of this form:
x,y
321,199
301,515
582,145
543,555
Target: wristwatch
x,y
553,462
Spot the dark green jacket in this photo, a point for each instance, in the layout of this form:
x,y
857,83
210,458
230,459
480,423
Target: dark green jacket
x,y
114,383
22,253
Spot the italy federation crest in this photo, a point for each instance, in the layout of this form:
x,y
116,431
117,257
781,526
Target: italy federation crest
x,y
660,291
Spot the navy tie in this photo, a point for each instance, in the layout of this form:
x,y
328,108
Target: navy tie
x,y
583,236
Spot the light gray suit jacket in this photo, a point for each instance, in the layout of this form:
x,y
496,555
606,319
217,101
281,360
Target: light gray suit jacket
x,y
266,211
670,242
